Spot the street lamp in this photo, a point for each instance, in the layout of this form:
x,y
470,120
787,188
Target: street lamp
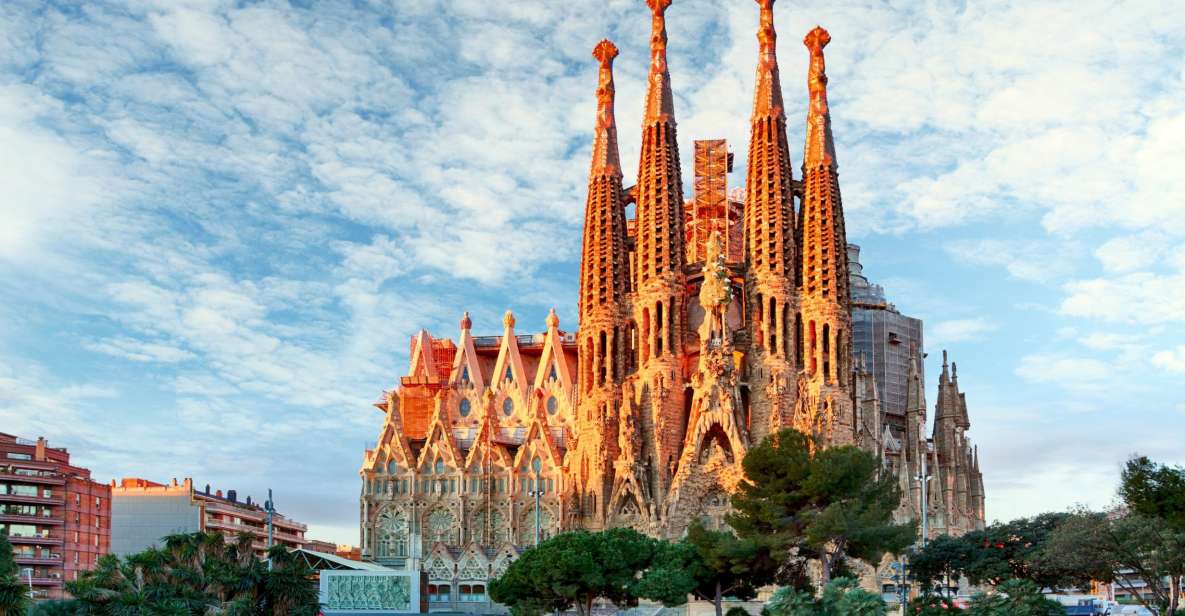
x,y
537,492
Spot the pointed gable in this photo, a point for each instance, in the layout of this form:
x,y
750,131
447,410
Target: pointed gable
x,y
538,441
553,364
423,364
466,366
440,437
509,371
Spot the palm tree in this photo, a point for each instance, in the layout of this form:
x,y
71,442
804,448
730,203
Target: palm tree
x,y
13,597
198,574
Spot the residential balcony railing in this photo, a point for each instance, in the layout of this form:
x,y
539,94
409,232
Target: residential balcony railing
x,y
20,518
51,559
50,480
35,539
44,581
34,500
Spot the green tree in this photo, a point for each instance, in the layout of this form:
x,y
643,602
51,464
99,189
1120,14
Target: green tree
x,y
1155,490
197,574
574,569
932,605
1135,552
943,559
1016,549
840,597
830,504
1015,598
13,597
710,565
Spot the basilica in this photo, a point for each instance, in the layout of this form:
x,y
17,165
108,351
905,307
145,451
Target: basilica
x,y
705,324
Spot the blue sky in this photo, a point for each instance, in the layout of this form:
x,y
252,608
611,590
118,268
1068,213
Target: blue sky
x,y
221,221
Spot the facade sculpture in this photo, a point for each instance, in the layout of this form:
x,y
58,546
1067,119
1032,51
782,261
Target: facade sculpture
x,y
689,350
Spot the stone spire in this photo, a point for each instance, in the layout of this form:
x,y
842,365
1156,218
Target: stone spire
x,y
824,300
660,103
660,184
769,228
603,269
606,161
820,147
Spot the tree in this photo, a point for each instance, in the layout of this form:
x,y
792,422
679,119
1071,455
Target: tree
x,y
574,569
13,597
840,597
831,503
1016,549
1155,490
197,574
929,604
943,558
1015,598
1136,552
710,565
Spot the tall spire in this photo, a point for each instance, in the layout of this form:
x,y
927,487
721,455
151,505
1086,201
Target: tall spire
x,y
769,228
606,161
767,100
768,208
820,147
660,184
603,270
659,100
824,241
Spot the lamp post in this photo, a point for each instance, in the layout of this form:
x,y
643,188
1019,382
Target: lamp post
x,y
271,510
537,492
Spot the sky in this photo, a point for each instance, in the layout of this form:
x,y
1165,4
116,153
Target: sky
x,y
220,222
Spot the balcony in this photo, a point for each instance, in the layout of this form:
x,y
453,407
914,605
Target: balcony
x,y
51,559
49,480
44,581
40,539
30,519
32,500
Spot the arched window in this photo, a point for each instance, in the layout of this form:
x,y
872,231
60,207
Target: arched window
x,y
509,373
392,467
465,374
508,406
552,405
826,351
463,407
536,464
439,466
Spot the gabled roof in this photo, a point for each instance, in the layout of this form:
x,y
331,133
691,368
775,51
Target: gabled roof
x,y
510,359
554,356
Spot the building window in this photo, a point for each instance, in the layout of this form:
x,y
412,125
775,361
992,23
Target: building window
x,y
18,456
508,406
392,467
440,593
472,593
552,405
439,466
463,407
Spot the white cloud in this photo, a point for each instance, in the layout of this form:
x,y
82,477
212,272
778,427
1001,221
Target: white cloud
x,y
1032,260
1140,297
958,330
1171,360
1064,370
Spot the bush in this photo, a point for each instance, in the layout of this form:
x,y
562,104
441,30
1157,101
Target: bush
x,y
1015,598
841,597
931,605
736,611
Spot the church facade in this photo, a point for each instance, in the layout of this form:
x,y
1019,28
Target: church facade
x,y
705,325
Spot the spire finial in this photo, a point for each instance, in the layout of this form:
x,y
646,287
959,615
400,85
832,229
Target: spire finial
x,y
553,320
820,147
466,322
605,159
659,103
767,99
508,320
